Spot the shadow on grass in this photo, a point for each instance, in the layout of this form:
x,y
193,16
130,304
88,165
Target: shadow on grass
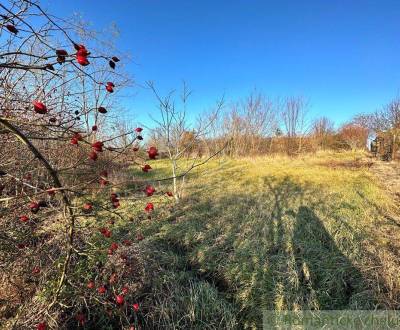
x,y
319,261
269,250
274,244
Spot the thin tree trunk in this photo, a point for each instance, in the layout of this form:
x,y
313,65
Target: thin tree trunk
x,y
394,147
176,195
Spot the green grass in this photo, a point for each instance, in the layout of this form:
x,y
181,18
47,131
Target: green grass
x,y
267,233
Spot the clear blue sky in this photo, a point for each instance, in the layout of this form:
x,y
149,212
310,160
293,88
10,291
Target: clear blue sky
x,y
344,56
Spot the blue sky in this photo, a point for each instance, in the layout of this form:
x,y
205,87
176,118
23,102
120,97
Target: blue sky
x,y
343,56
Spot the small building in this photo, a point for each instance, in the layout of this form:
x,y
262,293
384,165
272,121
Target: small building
x,y
385,146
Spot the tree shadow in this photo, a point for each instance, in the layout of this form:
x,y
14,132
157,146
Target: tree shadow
x,y
269,250
327,278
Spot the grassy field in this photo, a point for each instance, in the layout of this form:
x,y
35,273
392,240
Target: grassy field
x,y
267,233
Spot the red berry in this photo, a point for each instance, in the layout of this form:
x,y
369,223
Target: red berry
x,y
93,155
39,107
88,207
12,28
36,270
102,110
119,299
90,285
152,152
97,146
102,289
41,326
23,218
61,52
78,136
34,207
149,207
135,307
82,52
139,129
150,190
105,232
82,60
79,47
146,168
114,197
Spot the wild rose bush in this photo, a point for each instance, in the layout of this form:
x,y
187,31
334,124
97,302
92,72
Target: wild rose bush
x,y
58,169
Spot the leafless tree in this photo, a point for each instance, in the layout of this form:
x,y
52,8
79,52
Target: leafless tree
x,y
249,123
322,130
178,137
293,114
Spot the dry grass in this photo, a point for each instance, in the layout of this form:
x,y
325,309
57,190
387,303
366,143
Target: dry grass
x,y
281,233
252,234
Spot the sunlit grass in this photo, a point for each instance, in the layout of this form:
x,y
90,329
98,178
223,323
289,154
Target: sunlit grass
x,y
265,233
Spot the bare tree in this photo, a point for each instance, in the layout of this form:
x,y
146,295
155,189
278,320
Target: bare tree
x,y
294,120
249,123
388,120
178,138
322,130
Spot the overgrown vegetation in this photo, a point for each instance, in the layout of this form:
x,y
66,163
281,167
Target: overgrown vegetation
x,y
269,233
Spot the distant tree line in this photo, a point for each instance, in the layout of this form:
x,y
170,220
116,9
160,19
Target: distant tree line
x,y
259,125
